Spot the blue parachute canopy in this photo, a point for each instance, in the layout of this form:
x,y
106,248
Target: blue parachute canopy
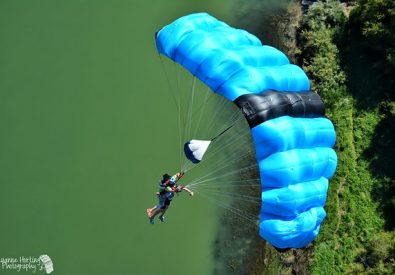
x,y
293,138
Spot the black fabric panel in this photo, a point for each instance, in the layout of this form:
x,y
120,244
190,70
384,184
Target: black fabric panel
x,y
258,108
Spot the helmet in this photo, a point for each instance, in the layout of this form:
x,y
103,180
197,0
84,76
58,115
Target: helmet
x,y
166,177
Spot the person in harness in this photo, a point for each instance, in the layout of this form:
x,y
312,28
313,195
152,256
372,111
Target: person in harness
x,y
167,188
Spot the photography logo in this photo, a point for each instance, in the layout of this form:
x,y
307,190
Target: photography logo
x,y
29,264
47,262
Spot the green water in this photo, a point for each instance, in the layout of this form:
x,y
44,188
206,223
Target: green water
x,y
87,127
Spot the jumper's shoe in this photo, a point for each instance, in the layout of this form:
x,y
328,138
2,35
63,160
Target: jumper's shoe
x,y
161,218
151,220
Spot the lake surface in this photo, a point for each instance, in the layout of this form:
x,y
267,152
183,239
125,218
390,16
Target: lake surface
x,y
87,128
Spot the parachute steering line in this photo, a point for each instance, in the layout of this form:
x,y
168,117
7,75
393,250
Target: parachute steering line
x,y
253,219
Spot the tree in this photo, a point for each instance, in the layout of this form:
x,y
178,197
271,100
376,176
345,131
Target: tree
x,y
374,22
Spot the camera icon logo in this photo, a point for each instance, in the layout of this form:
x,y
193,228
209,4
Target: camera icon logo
x,y
47,263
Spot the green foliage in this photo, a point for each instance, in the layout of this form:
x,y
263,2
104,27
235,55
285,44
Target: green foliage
x,y
325,13
350,62
381,155
382,248
319,54
371,75
283,29
354,221
379,256
374,22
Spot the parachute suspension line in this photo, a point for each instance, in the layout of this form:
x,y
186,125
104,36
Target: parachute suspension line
x,y
190,108
202,110
211,154
212,185
226,165
190,165
249,217
233,116
202,105
226,128
225,145
235,138
172,92
233,119
229,183
186,166
229,124
230,160
222,146
176,102
182,121
221,107
236,117
188,125
235,196
222,176
223,132
203,178
220,110
180,136
182,112
208,185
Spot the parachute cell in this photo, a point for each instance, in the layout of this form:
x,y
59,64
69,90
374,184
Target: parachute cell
x,y
293,138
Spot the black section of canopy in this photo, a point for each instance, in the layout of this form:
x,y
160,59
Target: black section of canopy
x,y
258,108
